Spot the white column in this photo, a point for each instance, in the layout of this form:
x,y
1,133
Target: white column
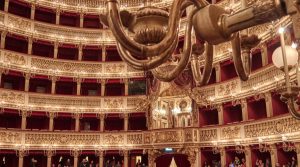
x,y
6,5
49,161
103,53
1,72
126,82
273,153
55,49
3,37
21,155
218,72
248,156
53,83
81,20
27,80
77,116
49,154
75,154
51,116
101,118
223,156
126,122
24,114
80,52
29,48
101,159
78,87
103,82
264,54
269,106
298,154
244,106
57,18
198,158
126,157
220,114
32,13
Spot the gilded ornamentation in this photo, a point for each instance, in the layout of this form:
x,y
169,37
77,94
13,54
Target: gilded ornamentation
x,y
188,135
208,135
10,137
113,139
62,139
113,103
12,97
231,133
228,88
147,138
135,139
19,23
42,102
114,68
275,127
191,153
165,137
15,59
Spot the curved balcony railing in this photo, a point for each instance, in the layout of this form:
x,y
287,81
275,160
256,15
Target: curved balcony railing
x,y
57,33
57,67
260,82
248,133
20,100
38,65
63,34
94,6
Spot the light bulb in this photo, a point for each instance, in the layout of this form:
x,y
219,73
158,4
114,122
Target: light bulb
x,y
281,30
294,45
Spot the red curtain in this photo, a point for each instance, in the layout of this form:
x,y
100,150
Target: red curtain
x,y
164,160
182,160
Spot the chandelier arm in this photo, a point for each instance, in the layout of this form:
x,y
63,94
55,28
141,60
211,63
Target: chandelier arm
x,y
116,27
203,78
187,50
242,68
292,108
145,64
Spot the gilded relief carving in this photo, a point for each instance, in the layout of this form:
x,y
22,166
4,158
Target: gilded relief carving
x,y
231,133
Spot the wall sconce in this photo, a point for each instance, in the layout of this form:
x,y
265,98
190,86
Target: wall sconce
x,y
76,151
50,150
285,58
239,149
21,150
215,148
287,146
263,147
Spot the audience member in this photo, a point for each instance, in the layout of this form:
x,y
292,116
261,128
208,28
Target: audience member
x,y
33,162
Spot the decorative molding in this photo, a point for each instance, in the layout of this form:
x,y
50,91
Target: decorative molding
x,y
65,68
271,131
58,103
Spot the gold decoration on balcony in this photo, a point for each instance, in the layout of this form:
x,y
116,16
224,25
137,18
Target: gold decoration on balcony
x,y
239,148
231,132
264,147
221,27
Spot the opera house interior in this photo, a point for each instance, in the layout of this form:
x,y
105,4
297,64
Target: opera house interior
x,y
149,83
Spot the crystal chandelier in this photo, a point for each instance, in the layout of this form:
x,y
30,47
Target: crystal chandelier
x,y
147,39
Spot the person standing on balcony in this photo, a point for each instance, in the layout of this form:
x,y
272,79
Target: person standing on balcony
x,y
3,162
294,162
33,162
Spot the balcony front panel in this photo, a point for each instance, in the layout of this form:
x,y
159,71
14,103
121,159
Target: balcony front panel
x,y
267,131
75,104
56,67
